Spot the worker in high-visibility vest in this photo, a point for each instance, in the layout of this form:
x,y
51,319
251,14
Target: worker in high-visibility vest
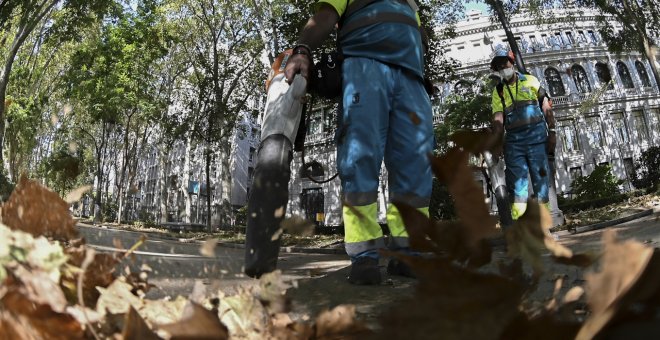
x,y
385,115
528,125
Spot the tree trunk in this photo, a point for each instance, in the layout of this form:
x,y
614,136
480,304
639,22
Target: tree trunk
x,y
650,56
163,183
186,180
208,187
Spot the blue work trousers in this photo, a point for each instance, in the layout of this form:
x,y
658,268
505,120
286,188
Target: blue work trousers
x,y
522,159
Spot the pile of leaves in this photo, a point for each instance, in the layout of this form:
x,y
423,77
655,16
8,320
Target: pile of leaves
x,y
461,295
53,286
631,206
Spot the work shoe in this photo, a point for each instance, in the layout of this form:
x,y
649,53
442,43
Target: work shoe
x,y
365,271
398,268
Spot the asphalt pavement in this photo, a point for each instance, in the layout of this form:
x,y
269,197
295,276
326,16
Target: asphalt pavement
x,y
321,278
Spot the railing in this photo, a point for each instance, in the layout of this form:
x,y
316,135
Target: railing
x,y
578,98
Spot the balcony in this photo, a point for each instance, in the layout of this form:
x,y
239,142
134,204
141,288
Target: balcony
x,y
579,98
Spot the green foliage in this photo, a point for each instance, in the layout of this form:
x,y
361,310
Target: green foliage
x,y
61,170
109,211
468,110
601,183
648,169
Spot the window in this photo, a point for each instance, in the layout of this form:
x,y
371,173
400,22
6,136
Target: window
x,y
569,36
604,164
329,123
461,47
594,132
533,39
252,151
476,44
581,37
580,78
519,43
250,174
604,76
592,36
575,173
314,169
568,135
462,88
544,39
626,80
559,38
555,85
620,128
628,165
643,75
315,123
640,125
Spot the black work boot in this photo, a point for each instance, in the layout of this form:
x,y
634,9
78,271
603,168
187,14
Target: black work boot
x,y
267,204
398,268
365,271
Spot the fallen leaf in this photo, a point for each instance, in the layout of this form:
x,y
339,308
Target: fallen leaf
x,y
197,322
340,323
136,328
208,247
76,194
36,210
453,170
530,238
452,302
297,225
117,298
623,263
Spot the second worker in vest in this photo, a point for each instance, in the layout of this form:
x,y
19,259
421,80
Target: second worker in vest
x,y
385,115
529,132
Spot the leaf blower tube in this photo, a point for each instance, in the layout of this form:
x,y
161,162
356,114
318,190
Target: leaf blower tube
x,y
496,173
269,193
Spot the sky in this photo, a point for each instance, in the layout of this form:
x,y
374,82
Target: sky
x,y
478,5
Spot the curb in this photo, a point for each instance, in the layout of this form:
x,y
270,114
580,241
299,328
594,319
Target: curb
x,y
601,225
290,249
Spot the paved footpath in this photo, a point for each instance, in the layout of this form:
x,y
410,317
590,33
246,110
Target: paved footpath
x,y
321,278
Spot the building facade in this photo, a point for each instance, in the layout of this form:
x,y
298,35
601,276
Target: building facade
x,y
607,106
184,179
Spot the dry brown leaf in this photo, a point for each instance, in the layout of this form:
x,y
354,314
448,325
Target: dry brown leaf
x,y
208,247
623,263
39,288
26,316
340,323
74,195
197,322
453,170
272,292
117,298
243,314
474,142
530,238
297,225
574,294
453,302
36,210
158,312
100,273
135,328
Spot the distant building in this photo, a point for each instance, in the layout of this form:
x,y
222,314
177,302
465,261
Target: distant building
x,y
146,201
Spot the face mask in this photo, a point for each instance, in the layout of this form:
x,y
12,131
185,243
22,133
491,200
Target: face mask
x,y
507,73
